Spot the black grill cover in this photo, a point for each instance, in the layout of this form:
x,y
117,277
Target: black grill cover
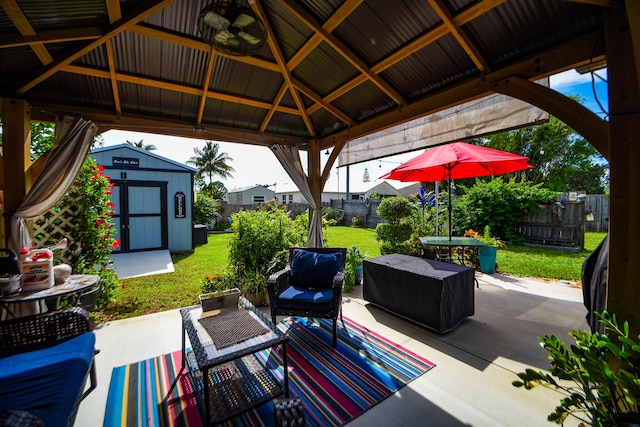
x,y
434,294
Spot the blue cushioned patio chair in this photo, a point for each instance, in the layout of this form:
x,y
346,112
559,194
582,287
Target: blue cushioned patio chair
x,y
310,286
45,360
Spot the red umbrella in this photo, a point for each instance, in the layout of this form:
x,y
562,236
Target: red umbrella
x,y
457,160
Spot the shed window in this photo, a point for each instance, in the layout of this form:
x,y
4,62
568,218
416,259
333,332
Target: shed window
x,y
258,199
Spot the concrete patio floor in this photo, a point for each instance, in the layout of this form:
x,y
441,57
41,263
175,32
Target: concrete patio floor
x,y
475,363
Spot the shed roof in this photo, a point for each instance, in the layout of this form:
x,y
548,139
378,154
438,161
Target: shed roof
x,y
144,152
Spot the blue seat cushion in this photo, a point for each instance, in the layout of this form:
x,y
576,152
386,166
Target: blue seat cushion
x,y
300,298
47,382
314,270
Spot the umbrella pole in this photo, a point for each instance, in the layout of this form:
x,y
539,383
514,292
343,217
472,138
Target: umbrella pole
x,y
450,208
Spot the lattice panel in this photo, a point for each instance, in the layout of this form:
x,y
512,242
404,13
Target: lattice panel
x,y
52,227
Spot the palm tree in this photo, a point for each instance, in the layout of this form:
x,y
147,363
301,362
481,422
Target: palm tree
x,y
141,144
211,161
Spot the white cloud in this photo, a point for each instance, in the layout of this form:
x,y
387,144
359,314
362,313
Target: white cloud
x,y
563,81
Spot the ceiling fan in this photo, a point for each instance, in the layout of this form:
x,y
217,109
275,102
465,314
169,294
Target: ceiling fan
x,y
231,28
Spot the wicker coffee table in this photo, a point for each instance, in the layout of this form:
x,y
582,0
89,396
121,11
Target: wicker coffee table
x,y
225,371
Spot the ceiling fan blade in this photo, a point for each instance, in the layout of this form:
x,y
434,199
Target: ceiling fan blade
x,y
223,37
249,38
216,21
243,20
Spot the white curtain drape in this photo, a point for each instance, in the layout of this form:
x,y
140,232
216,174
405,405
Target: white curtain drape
x,y
73,138
72,141
289,158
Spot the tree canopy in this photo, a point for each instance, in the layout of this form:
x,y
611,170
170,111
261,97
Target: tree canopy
x,y
210,161
141,144
563,160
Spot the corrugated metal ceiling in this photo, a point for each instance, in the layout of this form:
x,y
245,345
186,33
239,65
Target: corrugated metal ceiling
x,y
373,62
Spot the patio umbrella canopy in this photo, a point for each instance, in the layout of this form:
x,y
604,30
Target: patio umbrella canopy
x,y
457,160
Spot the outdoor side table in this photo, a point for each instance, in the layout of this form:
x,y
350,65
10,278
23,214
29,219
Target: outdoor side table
x,y
229,378
449,243
75,285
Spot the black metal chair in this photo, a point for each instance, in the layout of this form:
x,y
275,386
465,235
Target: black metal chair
x,y
65,338
310,286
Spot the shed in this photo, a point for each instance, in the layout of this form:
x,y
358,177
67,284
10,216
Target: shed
x,y
153,198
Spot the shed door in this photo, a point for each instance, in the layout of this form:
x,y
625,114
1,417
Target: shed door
x,y
141,215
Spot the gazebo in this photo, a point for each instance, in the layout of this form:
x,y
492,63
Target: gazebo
x,y
308,76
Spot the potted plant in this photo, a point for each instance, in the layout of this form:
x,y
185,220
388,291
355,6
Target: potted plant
x,y
487,254
219,292
254,287
353,268
599,375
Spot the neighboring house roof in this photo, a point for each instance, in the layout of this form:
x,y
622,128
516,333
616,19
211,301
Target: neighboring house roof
x,y
410,190
250,187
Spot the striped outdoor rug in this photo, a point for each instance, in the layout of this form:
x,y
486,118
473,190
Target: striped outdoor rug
x,y
335,384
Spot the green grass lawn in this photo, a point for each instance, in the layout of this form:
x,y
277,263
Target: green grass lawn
x,y
150,294
552,264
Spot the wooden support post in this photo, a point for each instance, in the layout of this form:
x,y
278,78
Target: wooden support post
x,y
315,176
16,157
623,292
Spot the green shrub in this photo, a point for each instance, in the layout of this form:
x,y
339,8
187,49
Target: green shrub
x,y
206,211
393,209
397,231
333,216
259,239
500,205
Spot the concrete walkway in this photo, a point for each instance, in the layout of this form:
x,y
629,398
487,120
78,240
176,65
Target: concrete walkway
x,y
475,363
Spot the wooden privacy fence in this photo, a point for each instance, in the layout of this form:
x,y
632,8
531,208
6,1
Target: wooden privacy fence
x,y
364,209
559,224
598,205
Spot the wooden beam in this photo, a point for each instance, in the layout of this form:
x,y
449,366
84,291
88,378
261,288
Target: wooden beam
x,y
205,86
633,15
623,294
544,64
330,24
113,76
277,100
14,12
50,36
578,117
459,34
193,43
161,84
113,10
107,120
330,108
343,50
137,13
277,54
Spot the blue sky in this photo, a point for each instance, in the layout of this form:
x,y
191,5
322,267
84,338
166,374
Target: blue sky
x,y
257,165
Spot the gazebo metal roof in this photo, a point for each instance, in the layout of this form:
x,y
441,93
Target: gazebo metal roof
x,y
331,70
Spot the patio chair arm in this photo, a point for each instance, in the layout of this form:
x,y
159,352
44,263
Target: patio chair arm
x,y
278,281
338,280
41,331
